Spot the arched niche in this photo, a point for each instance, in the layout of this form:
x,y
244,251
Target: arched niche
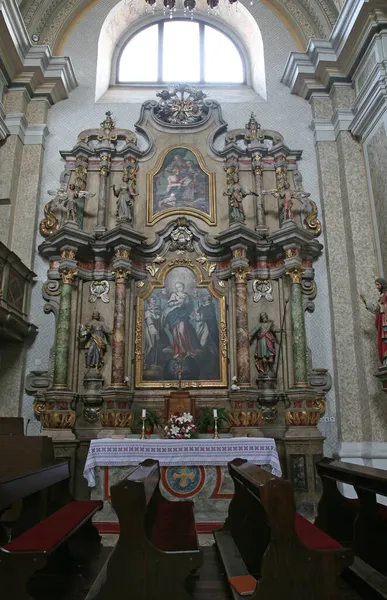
x,y
125,19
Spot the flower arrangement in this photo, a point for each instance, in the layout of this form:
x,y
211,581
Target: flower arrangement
x,y
180,427
234,386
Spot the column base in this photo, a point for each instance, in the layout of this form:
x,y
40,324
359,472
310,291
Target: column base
x,y
56,411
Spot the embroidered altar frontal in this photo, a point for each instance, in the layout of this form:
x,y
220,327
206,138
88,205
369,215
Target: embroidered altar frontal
x,y
190,469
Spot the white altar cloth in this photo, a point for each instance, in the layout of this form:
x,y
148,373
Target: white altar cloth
x,y
194,452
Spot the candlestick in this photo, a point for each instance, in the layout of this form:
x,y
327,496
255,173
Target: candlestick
x,y
216,436
143,427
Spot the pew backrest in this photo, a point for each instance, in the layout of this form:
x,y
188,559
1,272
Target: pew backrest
x,y
359,476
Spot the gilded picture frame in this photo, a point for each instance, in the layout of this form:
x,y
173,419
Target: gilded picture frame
x,y
180,344
181,184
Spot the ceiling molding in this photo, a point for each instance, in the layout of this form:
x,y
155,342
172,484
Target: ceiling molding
x,y
50,18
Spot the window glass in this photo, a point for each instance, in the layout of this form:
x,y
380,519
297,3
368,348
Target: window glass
x,y
181,51
139,57
222,61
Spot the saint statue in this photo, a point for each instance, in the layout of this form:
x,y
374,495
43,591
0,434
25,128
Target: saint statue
x,y
95,338
379,309
236,193
265,350
125,200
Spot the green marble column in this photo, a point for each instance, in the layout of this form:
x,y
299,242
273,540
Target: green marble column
x,y
300,355
61,365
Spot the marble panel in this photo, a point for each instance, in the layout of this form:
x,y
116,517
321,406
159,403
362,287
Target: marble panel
x,y
377,158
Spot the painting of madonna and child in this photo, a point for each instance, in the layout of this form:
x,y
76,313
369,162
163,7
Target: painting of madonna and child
x,y
181,334
181,185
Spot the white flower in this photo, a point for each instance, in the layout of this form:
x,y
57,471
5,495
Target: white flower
x,y
174,430
187,417
234,378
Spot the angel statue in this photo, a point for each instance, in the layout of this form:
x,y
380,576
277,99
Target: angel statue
x,y
379,310
95,338
68,199
125,199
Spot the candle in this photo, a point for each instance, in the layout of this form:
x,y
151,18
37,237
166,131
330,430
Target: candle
x,y
215,413
143,413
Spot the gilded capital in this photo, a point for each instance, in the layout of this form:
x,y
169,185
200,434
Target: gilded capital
x,y
295,274
121,275
240,274
68,275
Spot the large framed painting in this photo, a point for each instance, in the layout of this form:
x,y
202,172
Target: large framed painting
x,y
180,184
181,335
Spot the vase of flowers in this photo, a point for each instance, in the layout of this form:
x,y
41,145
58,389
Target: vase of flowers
x,y
180,427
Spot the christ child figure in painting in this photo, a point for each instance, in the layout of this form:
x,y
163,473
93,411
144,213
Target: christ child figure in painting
x,y
265,350
178,318
380,310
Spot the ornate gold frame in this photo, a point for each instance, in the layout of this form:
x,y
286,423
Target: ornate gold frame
x,y
201,281
152,218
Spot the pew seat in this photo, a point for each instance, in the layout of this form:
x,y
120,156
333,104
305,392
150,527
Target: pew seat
x,y
265,538
157,548
68,526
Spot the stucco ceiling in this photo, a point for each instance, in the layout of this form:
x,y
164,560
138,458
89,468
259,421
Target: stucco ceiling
x,y
49,19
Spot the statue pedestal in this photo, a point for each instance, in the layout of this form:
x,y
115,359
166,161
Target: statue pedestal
x,y
304,445
115,415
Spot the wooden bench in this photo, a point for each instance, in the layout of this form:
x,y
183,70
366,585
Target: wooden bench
x,y
69,524
157,549
359,523
263,536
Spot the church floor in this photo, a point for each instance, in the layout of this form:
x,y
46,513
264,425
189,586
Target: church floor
x,y
211,585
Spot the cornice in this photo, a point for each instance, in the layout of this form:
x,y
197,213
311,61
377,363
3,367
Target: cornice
x,y
28,66
334,60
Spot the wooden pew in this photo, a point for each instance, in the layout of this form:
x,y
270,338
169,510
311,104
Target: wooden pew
x,y
157,549
360,523
48,520
263,536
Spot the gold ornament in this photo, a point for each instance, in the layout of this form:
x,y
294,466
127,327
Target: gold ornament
x,y
121,275
292,252
50,223
240,274
239,253
208,266
122,252
295,274
68,275
311,221
223,338
68,253
154,267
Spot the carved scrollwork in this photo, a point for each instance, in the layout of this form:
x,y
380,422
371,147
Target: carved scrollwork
x,y
223,339
208,266
154,267
50,223
311,222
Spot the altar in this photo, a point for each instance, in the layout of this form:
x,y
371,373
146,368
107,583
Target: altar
x,y
194,469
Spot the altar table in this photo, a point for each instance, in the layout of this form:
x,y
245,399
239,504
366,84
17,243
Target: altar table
x,y
194,469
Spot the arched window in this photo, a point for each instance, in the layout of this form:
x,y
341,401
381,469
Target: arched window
x,y
180,50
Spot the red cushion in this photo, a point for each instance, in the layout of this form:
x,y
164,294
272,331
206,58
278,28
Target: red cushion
x,y
44,536
381,508
174,528
312,536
